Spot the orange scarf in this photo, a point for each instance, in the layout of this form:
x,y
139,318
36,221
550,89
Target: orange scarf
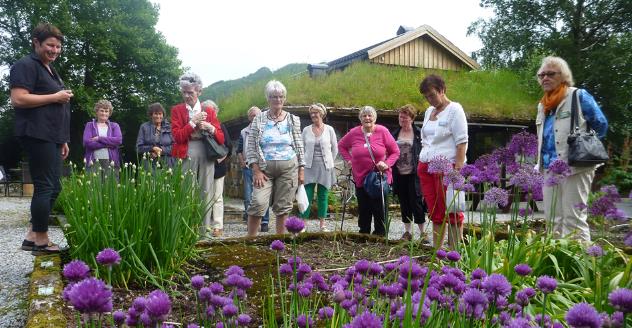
x,y
551,99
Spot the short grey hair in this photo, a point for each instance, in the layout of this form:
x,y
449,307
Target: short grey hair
x,y
562,65
367,109
210,103
275,86
320,108
190,79
252,109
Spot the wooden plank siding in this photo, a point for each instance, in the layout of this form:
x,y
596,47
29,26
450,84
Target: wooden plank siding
x,y
421,52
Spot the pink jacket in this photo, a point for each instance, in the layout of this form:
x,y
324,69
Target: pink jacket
x,y
352,147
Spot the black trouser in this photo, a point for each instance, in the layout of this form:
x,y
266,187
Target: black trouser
x,y
369,209
45,162
410,203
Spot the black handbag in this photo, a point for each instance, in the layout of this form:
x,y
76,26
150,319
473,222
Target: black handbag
x,y
375,184
214,150
584,147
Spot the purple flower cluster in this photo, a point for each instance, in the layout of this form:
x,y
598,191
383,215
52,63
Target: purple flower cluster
x,y
294,225
150,310
496,197
76,270
90,295
604,205
108,257
558,171
523,144
277,245
439,165
595,251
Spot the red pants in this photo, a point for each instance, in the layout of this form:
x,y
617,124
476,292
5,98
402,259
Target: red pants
x,y
434,193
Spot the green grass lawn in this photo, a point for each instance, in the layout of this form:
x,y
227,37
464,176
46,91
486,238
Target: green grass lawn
x,y
489,94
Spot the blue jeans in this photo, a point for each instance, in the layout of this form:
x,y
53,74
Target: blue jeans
x,y
248,194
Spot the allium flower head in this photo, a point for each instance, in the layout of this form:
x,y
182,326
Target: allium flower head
x,y
583,315
294,224
197,281
474,303
595,251
362,266
616,214
523,143
325,313
441,254
526,178
454,178
243,320
230,310
600,206
621,299
304,320
158,305
91,295
118,317
496,196
277,245
76,270
560,167
439,165
546,284
453,256
234,269
108,257
366,320
139,304
497,285
523,269
611,192
523,296
478,273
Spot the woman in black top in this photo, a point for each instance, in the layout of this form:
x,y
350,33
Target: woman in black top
x,y
154,137
42,124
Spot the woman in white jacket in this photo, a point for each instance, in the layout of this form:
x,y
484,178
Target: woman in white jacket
x,y
321,148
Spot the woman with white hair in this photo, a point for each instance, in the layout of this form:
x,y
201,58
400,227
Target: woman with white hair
x,y
321,149
275,154
188,120
221,167
101,139
553,125
369,147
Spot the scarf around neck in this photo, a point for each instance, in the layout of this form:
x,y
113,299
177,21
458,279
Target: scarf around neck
x,y
551,99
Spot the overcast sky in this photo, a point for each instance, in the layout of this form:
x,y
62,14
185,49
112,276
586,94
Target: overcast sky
x,y
228,39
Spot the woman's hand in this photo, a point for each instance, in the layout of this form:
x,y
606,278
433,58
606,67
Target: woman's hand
x,y
258,177
381,166
198,118
156,151
301,175
206,126
63,96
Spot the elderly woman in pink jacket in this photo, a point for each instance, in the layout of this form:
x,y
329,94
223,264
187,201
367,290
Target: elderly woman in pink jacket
x,y
354,149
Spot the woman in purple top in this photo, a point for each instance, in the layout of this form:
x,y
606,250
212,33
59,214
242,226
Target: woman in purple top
x,y
354,150
101,138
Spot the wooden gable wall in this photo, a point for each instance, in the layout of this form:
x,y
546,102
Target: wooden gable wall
x,y
422,52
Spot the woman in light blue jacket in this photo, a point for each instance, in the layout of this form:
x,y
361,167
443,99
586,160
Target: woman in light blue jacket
x,y
321,148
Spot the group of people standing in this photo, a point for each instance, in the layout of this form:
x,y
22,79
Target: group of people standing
x,y
278,156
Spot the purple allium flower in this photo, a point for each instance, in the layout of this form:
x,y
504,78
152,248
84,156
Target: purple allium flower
x,y
523,296
627,240
412,268
473,303
277,245
611,192
523,269
76,270
489,171
546,284
600,206
234,269
118,317
216,288
197,282
366,320
497,285
519,323
441,254
560,167
304,320
286,269
454,178
294,224
478,273
91,295
621,299
230,310
362,266
243,320
219,325
139,304
595,251
108,257
439,165
375,269
205,294
523,143
496,196
390,266
616,214
145,319
526,178
158,305
453,256
325,313
583,315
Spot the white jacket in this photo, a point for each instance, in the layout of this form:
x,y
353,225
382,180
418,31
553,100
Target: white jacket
x,y
328,145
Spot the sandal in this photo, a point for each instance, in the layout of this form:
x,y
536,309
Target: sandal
x,y
45,249
27,245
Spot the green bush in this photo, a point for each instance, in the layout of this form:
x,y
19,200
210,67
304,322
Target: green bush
x,y
150,216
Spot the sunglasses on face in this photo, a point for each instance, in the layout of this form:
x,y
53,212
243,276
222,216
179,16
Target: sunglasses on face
x,y
547,74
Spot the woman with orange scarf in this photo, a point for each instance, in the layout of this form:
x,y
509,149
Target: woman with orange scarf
x,y
553,124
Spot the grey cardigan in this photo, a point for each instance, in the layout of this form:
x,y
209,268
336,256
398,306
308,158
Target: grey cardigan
x,y
328,145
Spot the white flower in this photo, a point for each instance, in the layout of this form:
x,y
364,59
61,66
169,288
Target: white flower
x,y
112,163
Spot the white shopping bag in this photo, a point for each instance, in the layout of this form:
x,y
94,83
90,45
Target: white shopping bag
x,y
454,205
301,198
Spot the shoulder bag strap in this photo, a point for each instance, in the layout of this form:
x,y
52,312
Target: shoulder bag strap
x,y
368,145
574,114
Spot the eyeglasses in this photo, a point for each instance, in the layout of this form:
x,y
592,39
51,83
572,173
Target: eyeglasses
x,y
276,97
547,74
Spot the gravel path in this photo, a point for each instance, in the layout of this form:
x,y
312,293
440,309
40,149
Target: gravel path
x,y
16,265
